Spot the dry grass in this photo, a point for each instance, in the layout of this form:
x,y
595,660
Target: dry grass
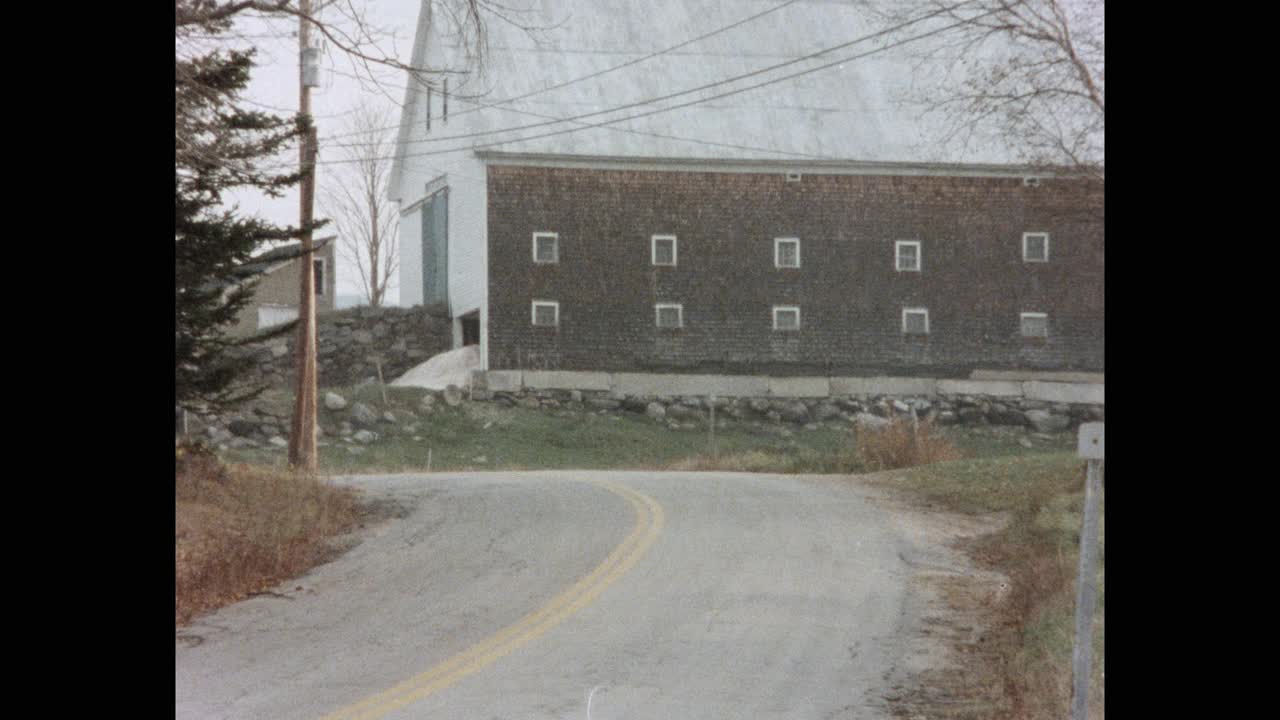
x,y
1030,645
903,443
240,530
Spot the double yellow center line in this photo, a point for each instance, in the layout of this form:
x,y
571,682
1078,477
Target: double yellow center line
x,y
649,522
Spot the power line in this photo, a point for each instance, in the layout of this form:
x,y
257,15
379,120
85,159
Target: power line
x,y
708,86
629,63
709,98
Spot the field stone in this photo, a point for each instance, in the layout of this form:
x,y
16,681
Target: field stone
x,y
242,428
870,422
452,396
683,412
825,411
278,441
635,403
334,401
364,437
389,417
655,410
795,412
1046,422
363,415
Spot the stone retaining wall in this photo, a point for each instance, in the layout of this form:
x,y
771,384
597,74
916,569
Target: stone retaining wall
x,y
350,341
1041,404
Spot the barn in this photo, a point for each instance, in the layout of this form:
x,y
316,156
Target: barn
x,y
725,197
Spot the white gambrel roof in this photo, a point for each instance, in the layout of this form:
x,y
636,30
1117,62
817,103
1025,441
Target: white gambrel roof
x,y
845,113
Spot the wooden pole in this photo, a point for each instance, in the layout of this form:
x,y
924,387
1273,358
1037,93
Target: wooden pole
x,y
1086,595
1091,447
302,438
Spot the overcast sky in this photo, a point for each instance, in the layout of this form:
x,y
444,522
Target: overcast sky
x,y
274,86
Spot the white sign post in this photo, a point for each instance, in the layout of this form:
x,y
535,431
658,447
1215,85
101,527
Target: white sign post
x,y
1090,448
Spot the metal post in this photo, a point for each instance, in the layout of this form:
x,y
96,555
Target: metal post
x,y
1091,448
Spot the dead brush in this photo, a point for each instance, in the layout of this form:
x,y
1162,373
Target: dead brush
x,y
904,442
241,529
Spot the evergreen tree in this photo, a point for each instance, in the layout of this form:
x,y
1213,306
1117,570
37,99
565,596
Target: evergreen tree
x,y
219,146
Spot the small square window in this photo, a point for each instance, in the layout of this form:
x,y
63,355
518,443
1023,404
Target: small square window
x,y
786,317
1035,247
1035,325
915,321
546,247
669,316
907,255
546,313
664,249
786,252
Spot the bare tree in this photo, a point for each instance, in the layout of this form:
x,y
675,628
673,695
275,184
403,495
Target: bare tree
x,y
1027,74
355,199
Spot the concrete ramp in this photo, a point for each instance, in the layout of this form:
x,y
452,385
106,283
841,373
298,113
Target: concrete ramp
x,y
448,368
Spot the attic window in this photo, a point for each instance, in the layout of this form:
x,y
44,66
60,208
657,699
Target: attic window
x,y
1031,181
793,177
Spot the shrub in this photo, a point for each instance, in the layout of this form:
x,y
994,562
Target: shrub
x,y
904,442
240,530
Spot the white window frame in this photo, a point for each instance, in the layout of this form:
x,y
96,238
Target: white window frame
x,y
533,312
918,311
784,308
1022,330
777,251
653,250
1025,237
554,236
657,315
324,274
897,256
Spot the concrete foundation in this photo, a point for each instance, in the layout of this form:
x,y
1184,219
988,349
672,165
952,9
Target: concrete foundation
x,y
669,385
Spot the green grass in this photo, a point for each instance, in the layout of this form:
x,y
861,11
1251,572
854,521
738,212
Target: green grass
x,y
487,436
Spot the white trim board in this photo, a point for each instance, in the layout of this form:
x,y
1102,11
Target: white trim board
x,y
765,166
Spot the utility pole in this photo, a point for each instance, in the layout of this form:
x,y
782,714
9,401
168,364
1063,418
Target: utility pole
x,y
302,438
1091,447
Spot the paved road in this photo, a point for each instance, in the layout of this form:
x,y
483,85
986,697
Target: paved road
x,y
534,595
